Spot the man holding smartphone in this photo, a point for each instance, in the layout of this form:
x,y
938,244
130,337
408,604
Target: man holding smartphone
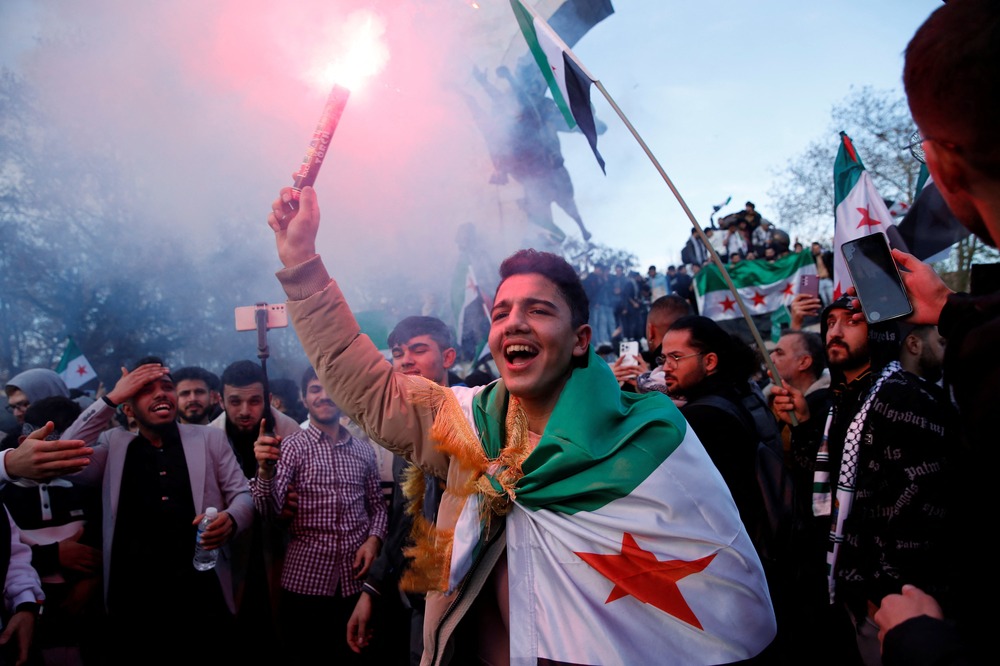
x,y
259,551
952,81
875,523
338,528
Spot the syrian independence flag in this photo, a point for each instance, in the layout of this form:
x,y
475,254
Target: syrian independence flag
x,y
623,544
762,285
471,308
896,208
74,368
858,209
568,81
465,292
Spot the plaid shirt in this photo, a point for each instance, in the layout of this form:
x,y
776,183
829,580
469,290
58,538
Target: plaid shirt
x,y
340,506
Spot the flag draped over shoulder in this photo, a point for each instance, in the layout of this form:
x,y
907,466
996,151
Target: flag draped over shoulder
x,y
858,208
74,368
568,81
623,541
764,286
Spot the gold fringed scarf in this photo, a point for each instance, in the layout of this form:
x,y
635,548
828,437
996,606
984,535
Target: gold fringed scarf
x,y
429,547
494,480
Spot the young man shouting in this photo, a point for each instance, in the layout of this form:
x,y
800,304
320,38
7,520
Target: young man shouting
x,y
579,523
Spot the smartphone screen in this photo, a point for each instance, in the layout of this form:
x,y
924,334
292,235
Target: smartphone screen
x,y
876,278
809,284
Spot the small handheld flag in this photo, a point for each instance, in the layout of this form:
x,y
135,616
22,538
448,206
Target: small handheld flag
x,y
74,368
858,208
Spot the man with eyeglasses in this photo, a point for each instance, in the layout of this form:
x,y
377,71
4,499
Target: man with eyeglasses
x,y
645,374
707,371
952,81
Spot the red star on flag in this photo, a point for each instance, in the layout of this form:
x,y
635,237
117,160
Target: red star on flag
x,y
788,290
81,370
759,298
727,304
867,220
637,573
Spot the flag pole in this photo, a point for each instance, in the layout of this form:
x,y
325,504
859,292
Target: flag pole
x,y
701,234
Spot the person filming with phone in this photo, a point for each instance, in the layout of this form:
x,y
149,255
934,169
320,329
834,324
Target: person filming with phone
x,y
882,471
952,81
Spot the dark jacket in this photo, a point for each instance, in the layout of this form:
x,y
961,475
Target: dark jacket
x,y
731,443
896,531
971,324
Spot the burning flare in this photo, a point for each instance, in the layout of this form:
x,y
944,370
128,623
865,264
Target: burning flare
x,y
361,53
364,56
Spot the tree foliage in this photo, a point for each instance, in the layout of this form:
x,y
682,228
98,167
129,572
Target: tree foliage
x,y
880,126
75,264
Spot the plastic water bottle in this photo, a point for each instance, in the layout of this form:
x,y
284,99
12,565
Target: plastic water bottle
x,y
205,559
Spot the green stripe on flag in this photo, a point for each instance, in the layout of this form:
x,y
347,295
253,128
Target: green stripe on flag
x,y
859,209
922,179
529,26
599,445
73,367
847,169
71,353
566,77
763,285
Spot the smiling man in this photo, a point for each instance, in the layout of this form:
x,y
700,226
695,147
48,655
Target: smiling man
x,y
421,346
156,485
337,531
554,479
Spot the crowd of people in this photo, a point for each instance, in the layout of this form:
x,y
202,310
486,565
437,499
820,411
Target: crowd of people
x,y
575,510
620,302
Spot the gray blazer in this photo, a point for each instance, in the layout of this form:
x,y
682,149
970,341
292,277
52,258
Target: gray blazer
x,y
216,478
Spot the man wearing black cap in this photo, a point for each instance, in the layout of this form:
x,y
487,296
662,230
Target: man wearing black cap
x,y
881,472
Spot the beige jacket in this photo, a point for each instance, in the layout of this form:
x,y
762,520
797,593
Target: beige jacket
x,y
361,382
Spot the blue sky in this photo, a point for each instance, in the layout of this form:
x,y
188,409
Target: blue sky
x,y
724,92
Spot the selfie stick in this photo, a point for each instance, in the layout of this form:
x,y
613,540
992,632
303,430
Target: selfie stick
x,y
260,317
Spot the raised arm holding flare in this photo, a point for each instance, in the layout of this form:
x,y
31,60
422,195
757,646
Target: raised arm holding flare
x,y
546,470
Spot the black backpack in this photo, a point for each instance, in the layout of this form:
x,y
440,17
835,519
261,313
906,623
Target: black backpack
x,y
773,475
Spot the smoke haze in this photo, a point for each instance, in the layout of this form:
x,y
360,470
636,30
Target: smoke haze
x,y
205,110
210,106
